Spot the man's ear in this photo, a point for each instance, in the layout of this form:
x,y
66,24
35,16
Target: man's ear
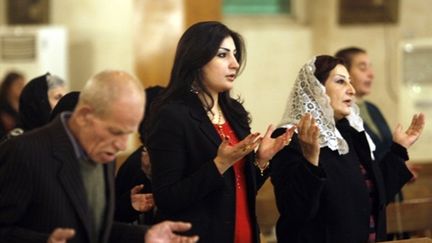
x,y
84,114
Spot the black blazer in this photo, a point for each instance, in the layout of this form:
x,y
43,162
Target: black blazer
x,y
41,189
330,203
186,183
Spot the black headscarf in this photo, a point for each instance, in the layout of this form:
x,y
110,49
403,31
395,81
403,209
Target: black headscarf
x,y
34,107
66,103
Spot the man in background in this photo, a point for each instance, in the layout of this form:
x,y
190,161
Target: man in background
x,y
362,75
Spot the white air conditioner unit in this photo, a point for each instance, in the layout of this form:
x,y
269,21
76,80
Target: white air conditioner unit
x,y
34,51
415,91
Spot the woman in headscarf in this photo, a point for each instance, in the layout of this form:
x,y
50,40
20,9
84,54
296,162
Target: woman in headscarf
x,y
328,186
37,100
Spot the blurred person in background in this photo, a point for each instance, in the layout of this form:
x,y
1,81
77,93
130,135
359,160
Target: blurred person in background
x,y
10,91
38,98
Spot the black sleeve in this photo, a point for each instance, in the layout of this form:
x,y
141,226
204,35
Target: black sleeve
x,y
175,190
15,196
298,185
394,170
128,176
121,232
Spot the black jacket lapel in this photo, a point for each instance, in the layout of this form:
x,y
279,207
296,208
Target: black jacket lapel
x,y
198,113
69,173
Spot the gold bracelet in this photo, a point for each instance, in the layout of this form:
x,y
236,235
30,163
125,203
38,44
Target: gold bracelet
x,y
262,169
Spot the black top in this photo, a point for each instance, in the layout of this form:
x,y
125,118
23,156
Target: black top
x,y
129,175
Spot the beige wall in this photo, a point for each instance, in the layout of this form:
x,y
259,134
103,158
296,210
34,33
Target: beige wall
x,y
2,13
276,49
100,36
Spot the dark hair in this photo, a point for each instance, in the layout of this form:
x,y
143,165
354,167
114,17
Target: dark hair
x,y
6,84
323,66
347,55
197,46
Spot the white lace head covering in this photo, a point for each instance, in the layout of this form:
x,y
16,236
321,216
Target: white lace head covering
x,y
309,96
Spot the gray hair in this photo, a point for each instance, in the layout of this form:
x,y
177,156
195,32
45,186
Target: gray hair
x,y
54,81
109,86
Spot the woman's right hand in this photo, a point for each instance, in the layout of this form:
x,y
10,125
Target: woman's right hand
x,y
308,134
228,154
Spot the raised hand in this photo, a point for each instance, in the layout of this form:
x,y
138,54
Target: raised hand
x,y
228,154
61,235
270,146
410,136
141,202
164,233
308,133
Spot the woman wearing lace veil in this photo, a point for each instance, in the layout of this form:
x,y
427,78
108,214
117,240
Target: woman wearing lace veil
x,y
328,187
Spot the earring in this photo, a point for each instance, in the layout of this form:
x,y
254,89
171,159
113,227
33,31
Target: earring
x,y
194,89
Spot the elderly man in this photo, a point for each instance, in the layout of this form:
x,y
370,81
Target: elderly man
x,y
56,183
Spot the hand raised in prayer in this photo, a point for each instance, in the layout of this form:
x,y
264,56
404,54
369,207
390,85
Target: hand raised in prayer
x,y
141,202
308,134
270,146
410,136
228,154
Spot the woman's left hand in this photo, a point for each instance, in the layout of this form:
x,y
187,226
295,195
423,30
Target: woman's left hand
x,y
410,136
270,146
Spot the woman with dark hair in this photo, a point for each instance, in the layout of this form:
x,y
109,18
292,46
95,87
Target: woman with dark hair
x,y
327,184
204,166
10,91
